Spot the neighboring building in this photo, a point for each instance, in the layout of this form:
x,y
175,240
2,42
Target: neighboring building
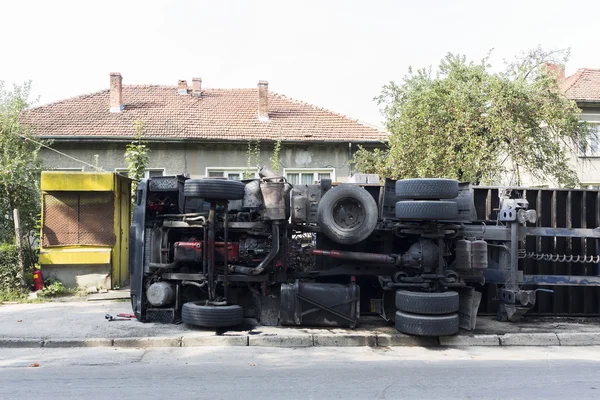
x,y
584,88
200,132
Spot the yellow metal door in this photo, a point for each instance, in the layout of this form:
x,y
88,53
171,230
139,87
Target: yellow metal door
x,y
125,212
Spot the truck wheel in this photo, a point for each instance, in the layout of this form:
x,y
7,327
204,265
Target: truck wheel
x,y
427,303
198,314
427,325
427,189
214,189
347,214
426,210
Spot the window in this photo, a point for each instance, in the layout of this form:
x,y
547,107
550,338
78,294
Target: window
x,y
592,146
592,185
80,169
307,176
148,173
231,173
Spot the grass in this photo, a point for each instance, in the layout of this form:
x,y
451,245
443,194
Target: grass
x,y
52,289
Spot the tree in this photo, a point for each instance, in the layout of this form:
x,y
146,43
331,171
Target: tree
x,y
136,153
252,159
468,123
274,159
19,173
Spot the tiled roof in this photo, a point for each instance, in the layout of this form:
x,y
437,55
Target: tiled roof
x,y
219,114
583,86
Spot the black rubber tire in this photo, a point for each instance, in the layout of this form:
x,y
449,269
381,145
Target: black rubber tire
x,y
426,325
347,214
426,210
427,303
198,314
214,189
427,189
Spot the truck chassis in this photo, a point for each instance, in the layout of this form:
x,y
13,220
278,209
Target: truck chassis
x,y
209,252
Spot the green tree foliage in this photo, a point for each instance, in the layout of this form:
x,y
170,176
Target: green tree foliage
x,y
252,159
469,123
19,170
274,160
136,153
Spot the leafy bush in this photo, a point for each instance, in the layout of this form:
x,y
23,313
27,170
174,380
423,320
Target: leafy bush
x,y
54,288
8,267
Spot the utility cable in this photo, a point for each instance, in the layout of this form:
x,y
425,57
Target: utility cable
x,y
62,154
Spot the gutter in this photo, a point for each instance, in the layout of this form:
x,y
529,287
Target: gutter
x,y
118,139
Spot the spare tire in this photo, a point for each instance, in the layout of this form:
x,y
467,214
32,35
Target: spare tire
x,y
427,303
198,314
347,214
427,325
426,210
214,189
427,189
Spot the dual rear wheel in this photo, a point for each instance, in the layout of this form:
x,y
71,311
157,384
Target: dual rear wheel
x,y
427,313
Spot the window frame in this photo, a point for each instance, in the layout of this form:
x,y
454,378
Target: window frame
x,y
146,171
226,171
314,171
595,128
69,169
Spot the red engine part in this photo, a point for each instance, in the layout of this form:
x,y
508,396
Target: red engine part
x,y
192,251
38,280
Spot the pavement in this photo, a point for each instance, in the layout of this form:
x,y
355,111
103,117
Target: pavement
x,y
301,373
81,323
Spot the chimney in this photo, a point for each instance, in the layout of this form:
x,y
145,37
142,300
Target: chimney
x,y
197,86
182,87
263,100
557,71
116,92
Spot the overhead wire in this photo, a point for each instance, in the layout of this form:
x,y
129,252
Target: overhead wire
x,y
62,154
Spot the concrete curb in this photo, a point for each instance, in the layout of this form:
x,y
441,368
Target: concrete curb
x,y
529,339
318,340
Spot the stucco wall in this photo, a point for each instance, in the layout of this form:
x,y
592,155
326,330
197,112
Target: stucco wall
x,y
194,158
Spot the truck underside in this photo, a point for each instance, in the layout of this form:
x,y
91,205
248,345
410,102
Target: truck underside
x,y
209,252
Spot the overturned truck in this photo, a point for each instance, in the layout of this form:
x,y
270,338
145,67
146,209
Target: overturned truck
x,y
209,252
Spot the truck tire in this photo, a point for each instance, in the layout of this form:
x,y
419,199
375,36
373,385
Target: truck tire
x,y
427,189
198,314
214,189
347,214
426,325
427,303
426,210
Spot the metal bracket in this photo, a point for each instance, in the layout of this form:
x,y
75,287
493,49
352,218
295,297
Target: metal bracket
x,y
319,306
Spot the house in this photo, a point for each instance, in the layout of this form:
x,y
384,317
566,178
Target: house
x,y
583,87
199,131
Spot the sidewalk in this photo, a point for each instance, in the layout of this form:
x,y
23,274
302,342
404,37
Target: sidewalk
x,y
82,324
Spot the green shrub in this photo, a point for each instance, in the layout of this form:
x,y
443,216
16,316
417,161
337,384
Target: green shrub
x,y
54,288
8,267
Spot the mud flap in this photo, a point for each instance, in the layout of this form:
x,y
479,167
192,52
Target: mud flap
x,y
469,300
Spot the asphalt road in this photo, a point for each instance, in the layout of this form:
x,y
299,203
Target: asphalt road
x,y
304,373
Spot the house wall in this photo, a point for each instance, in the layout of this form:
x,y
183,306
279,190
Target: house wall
x,y
194,158
586,165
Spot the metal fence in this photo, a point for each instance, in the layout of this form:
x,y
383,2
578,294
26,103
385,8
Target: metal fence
x,y
78,218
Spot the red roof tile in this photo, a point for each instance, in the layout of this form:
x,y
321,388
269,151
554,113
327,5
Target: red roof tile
x,y
583,86
219,114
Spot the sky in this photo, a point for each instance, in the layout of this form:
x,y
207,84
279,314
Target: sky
x,y
333,54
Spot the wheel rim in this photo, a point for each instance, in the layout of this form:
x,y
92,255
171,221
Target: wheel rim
x,y
348,214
